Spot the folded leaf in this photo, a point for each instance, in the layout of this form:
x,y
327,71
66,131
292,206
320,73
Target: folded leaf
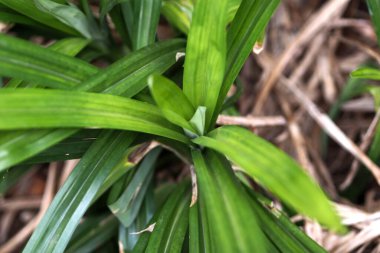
x,y
170,224
249,23
127,206
146,16
281,175
229,218
171,100
38,108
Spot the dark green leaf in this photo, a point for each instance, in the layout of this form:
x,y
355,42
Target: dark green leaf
x,y
92,233
126,207
29,9
374,11
128,76
229,217
255,157
69,15
63,215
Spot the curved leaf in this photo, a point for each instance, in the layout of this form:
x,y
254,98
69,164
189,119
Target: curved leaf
x,y
38,108
281,175
24,60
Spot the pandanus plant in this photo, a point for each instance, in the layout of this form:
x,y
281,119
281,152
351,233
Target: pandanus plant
x,y
56,107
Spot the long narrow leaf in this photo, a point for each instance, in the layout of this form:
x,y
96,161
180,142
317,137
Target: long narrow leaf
x,y
281,175
28,8
230,220
247,26
37,108
23,60
206,54
126,76
126,207
146,16
63,215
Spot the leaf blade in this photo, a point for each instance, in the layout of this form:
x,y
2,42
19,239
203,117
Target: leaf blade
x,y
251,154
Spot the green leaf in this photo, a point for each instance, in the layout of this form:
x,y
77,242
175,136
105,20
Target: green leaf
x,y
281,231
39,108
178,13
26,61
92,233
255,157
69,15
10,177
146,16
170,99
127,206
63,215
69,46
206,55
198,121
71,148
249,23
171,224
130,236
366,73
29,9
229,217
128,76
374,11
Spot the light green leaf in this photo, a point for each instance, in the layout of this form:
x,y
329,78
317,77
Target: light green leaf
x,y
206,55
146,17
178,13
170,99
198,121
366,73
230,219
38,108
281,175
